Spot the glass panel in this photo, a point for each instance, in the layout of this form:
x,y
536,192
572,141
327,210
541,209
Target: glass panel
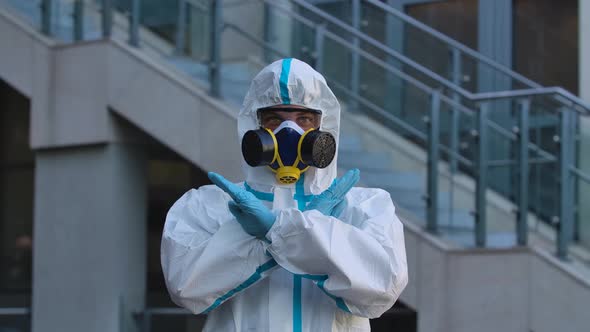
x,y
340,9
180,35
336,67
583,223
544,132
30,10
455,200
247,46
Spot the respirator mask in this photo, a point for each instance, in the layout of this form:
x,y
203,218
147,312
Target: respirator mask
x,y
288,150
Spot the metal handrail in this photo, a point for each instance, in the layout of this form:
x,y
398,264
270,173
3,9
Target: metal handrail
x,y
575,102
452,42
581,174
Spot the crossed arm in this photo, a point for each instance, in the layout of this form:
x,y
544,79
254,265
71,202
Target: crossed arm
x,y
357,257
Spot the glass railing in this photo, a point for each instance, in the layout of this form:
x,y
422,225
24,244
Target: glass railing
x,y
458,72
470,140
444,56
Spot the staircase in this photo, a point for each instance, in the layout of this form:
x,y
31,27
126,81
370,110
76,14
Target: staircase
x,y
386,97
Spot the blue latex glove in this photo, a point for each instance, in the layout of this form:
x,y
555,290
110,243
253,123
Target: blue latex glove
x,y
256,219
331,202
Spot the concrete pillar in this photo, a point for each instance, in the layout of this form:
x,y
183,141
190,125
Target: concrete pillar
x,y
89,238
584,76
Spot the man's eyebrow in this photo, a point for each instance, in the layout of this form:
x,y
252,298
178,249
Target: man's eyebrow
x,y
268,113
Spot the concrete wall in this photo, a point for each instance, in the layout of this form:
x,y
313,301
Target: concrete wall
x,y
22,46
558,298
173,110
69,98
89,238
487,290
426,291
508,290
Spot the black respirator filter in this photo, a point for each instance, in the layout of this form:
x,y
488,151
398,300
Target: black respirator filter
x,y
258,147
318,149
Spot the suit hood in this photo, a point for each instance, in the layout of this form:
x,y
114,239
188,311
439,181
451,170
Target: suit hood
x,y
290,82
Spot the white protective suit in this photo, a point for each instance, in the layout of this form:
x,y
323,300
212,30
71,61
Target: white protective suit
x,y
317,273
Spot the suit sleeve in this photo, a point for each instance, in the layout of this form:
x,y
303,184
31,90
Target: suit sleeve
x,y
358,259
206,256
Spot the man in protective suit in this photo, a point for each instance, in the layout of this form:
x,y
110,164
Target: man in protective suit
x,y
293,248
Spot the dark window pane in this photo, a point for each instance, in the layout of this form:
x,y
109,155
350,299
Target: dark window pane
x,y
17,168
546,41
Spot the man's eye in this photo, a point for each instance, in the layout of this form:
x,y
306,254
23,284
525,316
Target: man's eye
x,y
305,119
272,121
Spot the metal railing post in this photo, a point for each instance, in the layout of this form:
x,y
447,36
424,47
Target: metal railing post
x,y
78,20
355,58
482,175
523,172
215,55
107,18
134,19
46,17
181,27
320,31
454,129
433,157
565,226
